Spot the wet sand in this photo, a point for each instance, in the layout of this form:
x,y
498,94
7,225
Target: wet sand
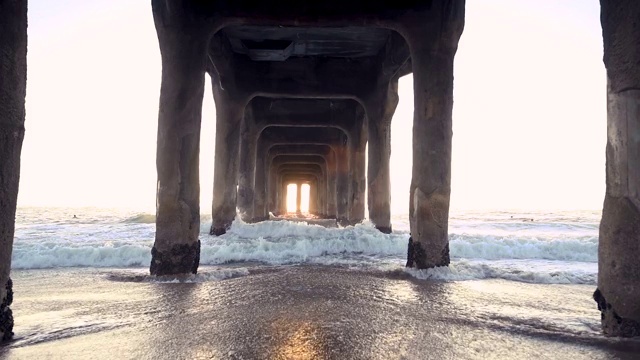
x,y
301,312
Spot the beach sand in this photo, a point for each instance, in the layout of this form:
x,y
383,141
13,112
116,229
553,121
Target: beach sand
x,y
300,312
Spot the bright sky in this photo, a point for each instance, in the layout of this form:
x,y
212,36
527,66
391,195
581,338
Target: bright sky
x,y
529,115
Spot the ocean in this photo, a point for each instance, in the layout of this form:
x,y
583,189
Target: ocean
x,y
519,287
536,247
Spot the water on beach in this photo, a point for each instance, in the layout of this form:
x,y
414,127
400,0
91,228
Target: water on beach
x,y
518,284
538,247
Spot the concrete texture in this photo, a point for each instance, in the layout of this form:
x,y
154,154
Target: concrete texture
x,y
229,116
183,49
433,40
380,110
357,165
247,166
13,81
619,249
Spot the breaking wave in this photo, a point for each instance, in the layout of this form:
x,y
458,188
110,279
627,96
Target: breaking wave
x,y
560,248
141,219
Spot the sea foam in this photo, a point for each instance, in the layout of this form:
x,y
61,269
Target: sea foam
x,y
479,249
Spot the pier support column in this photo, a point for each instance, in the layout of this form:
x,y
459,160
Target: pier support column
x,y
358,177
183,48
313,198
618,290
433,40
342,182
380,110
331,191
13,82
283,196
247,167
229,115
260,211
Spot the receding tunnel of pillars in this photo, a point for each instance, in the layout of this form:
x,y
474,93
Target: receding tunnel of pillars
x,y
319,78
305,112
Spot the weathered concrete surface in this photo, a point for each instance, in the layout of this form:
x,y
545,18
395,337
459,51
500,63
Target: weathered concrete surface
x,y
618,290
357,176
229,114
342,181
13,82
247,166
380,110
183,47
433,39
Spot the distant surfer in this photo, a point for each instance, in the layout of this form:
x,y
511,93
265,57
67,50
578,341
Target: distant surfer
x,y
75,217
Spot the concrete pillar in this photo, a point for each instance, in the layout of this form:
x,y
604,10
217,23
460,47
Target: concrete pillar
x,y
342,182
298,198
13,81
272,185
247,166
358,178
176,249
283,197
380,110
318,196
321,202
260,189
229,116
313,199
332,180
618,290
433,40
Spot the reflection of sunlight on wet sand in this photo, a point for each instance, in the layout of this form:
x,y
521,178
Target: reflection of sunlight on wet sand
x,y
402,292
397,335
306,342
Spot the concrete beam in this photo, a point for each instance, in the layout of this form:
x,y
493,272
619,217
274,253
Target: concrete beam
x,y
13,82
306,78
619,248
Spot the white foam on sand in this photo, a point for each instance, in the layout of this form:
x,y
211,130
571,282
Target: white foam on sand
x,y
495,248
541,272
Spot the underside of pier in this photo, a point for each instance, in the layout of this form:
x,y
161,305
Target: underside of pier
x,y
302,89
